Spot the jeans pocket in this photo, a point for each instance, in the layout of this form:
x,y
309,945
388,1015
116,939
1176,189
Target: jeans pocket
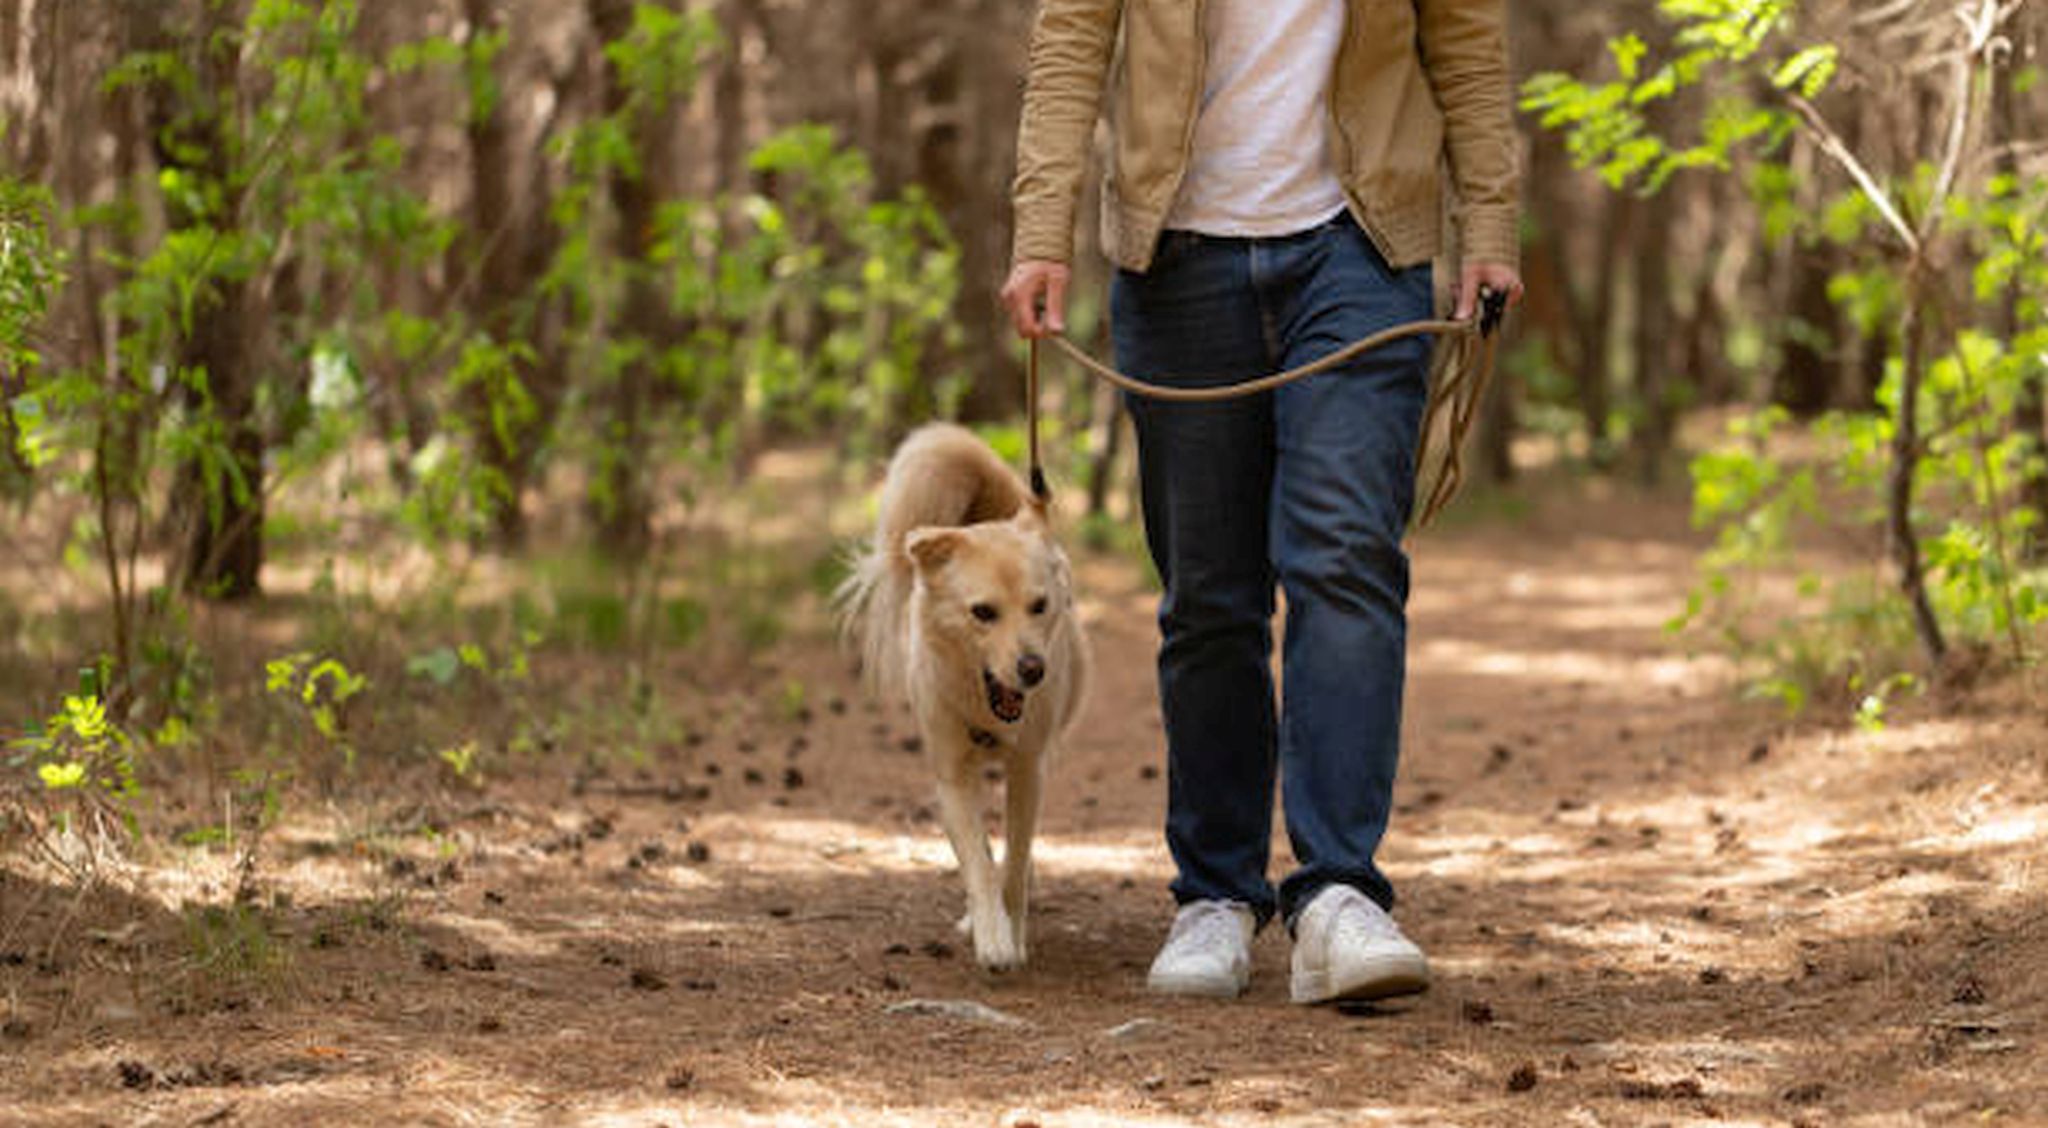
x,y
1415,283
1172,247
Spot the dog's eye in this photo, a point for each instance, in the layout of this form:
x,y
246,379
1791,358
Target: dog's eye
x,y
985,612
1038,606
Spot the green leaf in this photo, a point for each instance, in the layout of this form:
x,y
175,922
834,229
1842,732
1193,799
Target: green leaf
x,y
280,673
460,758
1628,51
1810,70
86,717
57,777
441,665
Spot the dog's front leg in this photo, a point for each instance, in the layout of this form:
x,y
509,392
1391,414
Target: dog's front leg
x,y
1022,792
959,776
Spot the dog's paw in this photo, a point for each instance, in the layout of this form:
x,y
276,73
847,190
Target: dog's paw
x,y
999,958
999,949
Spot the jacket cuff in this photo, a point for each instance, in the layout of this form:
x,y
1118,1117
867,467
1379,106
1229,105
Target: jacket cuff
x,y
1491,234
1042,239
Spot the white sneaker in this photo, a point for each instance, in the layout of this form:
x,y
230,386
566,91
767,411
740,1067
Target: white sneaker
x,y
1207,952
1347,947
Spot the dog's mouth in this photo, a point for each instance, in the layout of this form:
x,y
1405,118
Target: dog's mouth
x,y
1006,703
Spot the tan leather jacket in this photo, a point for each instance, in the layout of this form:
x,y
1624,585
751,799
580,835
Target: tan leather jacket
x,y
1419,85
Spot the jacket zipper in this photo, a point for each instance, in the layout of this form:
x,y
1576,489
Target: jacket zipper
x,y
1187,132
1344,180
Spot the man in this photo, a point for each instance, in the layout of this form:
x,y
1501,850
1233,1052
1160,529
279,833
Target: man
x,y
1275,193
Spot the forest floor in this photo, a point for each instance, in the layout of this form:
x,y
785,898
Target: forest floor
x,y
1645,902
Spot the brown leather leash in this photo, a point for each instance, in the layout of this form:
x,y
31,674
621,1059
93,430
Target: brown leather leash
x,y
1460,390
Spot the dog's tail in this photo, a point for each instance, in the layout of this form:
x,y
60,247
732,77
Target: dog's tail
x,y
871,602
942,475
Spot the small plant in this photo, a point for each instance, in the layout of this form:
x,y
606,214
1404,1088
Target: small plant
x,y
443,664
233,948
461,760
1871,708
317,689
795,700
384,912
77,802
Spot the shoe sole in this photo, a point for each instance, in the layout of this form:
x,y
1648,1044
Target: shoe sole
x,y
1383,979
1198,987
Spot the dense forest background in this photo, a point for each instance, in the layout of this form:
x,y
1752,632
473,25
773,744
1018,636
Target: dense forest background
x,y
283,274
643,241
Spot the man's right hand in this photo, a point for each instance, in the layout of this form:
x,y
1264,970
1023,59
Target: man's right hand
x,y
1036,296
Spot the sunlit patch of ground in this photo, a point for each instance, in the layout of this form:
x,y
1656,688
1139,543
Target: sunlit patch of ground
x,y
1646,903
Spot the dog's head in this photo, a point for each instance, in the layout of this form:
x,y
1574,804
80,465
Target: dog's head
x,y
996,594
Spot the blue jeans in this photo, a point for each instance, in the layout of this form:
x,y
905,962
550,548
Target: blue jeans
x,y
1307,487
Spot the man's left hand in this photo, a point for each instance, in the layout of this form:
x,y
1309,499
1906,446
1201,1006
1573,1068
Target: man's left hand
x,y
1496,276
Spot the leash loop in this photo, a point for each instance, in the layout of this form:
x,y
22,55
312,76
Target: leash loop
x,y
1458,392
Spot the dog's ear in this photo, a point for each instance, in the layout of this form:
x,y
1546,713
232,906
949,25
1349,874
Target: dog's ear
x,y
931,547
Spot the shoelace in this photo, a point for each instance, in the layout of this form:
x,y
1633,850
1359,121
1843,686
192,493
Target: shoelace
x,y
1205,926
1364,921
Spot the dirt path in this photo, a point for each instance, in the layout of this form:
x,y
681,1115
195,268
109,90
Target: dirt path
x,y
1645,905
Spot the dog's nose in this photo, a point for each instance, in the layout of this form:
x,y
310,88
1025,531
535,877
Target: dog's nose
x,y
1031,669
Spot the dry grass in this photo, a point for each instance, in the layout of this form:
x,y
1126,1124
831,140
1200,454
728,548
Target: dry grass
x,y
692,902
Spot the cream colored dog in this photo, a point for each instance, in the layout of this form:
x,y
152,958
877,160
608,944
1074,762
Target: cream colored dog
x,y
963,605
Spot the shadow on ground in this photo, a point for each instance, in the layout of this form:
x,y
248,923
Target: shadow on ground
x,y
1644,903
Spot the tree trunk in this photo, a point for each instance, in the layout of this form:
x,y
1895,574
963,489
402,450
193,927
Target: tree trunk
x,y
493,261
729,102
1499,422
1595,319
622,505
1704,333
1106,445
1555,307
1900,476
10,35
1654,385
222,556
1702,338
126,407
1805,381
966,166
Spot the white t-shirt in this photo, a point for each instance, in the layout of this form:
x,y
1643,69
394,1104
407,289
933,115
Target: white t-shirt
x,y
1260,165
